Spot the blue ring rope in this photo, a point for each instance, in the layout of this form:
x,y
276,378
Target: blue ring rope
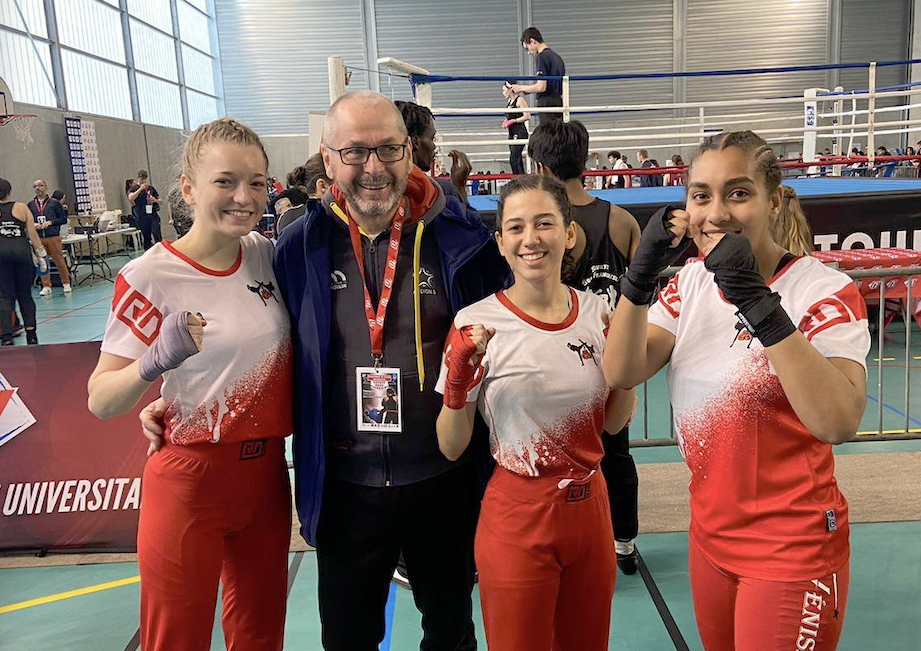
x,y
433,79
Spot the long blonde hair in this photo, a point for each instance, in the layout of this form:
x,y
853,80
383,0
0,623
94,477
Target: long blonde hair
x,y
789,228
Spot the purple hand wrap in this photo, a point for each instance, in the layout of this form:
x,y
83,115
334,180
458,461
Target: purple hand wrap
x,y
170,349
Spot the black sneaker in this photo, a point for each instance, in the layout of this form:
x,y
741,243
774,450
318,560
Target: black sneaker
x,y
628,562
31,337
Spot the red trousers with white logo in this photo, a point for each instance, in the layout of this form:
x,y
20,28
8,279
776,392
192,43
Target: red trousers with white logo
x,y
735,613
209,513
546,563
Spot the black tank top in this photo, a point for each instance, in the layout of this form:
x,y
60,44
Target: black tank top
x,y
516,129
599,268
10,227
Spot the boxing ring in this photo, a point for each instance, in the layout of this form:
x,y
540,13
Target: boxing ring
x,y
852,201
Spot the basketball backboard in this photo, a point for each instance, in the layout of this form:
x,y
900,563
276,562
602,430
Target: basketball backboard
x,y
6,99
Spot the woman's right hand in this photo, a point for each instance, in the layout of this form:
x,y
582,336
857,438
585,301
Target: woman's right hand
x,y
464,349
666,235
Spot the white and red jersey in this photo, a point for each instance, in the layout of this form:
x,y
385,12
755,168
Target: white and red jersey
x,y
238,386
542,391
764,500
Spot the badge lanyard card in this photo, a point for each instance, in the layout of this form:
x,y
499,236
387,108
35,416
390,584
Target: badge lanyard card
x,y
379,390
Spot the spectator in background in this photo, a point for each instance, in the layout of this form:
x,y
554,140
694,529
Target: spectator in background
x,y
618,163
288,205
420,124
675,178
180,213
17,230
130,219
312,180
647,180
146,208
49,216
60,196
516,120
549,64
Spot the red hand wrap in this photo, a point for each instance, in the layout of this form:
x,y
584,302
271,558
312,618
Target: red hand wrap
x,y
462,376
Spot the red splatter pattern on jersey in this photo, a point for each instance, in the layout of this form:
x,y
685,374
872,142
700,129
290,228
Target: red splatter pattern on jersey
x,y
761,483
568,447
257,405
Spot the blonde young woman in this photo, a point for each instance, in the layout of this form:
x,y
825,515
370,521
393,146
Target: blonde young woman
x,y
205,314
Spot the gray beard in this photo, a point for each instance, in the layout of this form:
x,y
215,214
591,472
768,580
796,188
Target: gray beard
x,y
373,216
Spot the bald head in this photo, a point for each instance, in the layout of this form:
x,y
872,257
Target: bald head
x,y
40,189
357,109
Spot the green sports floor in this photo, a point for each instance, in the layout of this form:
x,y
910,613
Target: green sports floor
x,y
94,607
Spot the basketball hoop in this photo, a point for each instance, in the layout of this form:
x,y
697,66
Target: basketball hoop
x,y
22,125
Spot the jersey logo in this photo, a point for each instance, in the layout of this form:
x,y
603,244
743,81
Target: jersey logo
x,y
139,314
338,280
670,298
252,449
843,306
426,282
264,291
584,350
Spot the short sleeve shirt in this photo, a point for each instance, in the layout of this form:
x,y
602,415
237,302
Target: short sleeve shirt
x,y
550,64
542,391
764,500
238,387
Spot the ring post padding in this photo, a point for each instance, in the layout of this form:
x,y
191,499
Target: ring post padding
x,y
810,137
871,107
566,98
337,80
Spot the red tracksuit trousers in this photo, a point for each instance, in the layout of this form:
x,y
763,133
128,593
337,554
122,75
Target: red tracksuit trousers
x,y
210,513
735,613
546,563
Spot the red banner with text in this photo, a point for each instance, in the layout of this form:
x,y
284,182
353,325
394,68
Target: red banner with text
x,y
68,481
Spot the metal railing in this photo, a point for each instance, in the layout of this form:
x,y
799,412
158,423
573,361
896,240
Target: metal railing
x,y
889,277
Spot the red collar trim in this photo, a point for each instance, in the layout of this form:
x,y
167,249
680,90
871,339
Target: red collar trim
x,y
551,327
205,270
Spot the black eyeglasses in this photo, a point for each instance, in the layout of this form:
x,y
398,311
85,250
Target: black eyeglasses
x,y
360,155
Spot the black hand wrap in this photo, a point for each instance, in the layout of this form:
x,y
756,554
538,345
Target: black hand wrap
x,y
735,272
653,255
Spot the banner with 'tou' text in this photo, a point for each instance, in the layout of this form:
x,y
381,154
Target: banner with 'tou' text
x,y
68,481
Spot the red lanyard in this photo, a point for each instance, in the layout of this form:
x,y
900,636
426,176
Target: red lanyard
x,y
41,206
376,321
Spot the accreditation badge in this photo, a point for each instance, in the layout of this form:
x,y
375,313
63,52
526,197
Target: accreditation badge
x,y
379,394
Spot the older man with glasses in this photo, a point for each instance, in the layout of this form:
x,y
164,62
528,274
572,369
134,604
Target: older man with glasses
x,y
372,277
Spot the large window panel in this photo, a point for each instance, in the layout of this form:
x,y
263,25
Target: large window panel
x,y
34,12
199,70
200,4
21,69
154,52
153,12
193,27
160,102
202,108
95,86
92,27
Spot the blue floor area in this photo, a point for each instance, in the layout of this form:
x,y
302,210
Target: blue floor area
x,y
817,187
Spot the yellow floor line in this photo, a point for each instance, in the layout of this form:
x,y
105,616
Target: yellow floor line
x,y
70,593
885,359
885,431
